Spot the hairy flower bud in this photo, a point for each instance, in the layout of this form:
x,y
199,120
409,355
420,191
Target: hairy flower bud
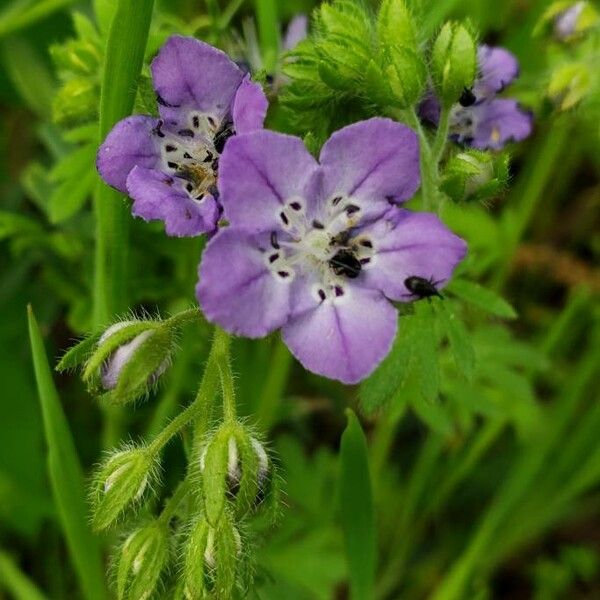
x,y
395,24
120,481
234,467
568,20
453,62
212,555
475,175
142,558
130,357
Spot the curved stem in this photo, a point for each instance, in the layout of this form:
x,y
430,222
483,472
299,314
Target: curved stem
x,y
174,501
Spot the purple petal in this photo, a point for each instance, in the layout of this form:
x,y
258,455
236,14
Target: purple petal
x,y
189,74
497,69
372,162
158,196
408,244
249,107
259,173
345,338
131,142
297,30
429,108
237,290
499,122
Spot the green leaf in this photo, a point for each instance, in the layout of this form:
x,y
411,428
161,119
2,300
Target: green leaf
x,y
380,387
426,349
15,581
66,476
356,510
460,342
483,298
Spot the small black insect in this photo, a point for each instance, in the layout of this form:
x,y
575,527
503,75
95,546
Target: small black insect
x,y
467,98
345,263
221,137
421,287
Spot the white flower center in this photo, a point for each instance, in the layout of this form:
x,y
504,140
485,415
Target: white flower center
x,y
325,248
463,123
191,153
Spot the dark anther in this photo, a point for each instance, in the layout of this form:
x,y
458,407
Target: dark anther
x,y
189,187
274,241
339,291
467,98
173,165
273,257
345,263
169,181
170,148
211,122
421,287
158,130
186,133
196,121
200,196
215,164
322,295
163,102
336,200
221,137
187,155
351,209
365,261
284,218
366,243
296,205
209,157
318,225
283,274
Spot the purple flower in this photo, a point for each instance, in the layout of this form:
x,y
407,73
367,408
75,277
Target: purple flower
x,y
320,248
296,31
479,119
169,165
565,23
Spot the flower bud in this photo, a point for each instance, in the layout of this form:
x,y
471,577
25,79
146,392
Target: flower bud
x,y
453,62
567,20
129,358
395,25
569,85
119,482
143,556
234,467
212,555
406,75
475,175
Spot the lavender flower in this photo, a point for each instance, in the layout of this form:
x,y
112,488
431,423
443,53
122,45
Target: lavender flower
x,y
169,165
479,119
319,250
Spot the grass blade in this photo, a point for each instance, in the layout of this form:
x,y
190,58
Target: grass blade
x,y
356,510
16,582
66,476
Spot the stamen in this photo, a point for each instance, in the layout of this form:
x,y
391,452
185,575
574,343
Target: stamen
x,y
284,218
296,205
211,122
339,291
173,165
186,133
366,243
365,261
322,294
318,225
273,257
274,242
187,155
170,148
336,200
283,274
351,209
189,187
196,121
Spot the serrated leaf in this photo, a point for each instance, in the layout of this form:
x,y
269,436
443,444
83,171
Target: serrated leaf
x,y
380,387
66,476
356,510
483,298
434,414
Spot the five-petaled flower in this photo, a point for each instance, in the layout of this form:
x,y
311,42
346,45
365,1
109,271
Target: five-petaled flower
x,y
320,249
479,119
168,165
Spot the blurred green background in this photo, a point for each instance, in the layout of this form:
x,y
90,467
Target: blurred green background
x,y
501,475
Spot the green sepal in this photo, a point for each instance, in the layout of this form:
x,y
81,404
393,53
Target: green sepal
x,y
142,558
78,354
453,62
406,74
214,474
121,482
194,568
395,24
